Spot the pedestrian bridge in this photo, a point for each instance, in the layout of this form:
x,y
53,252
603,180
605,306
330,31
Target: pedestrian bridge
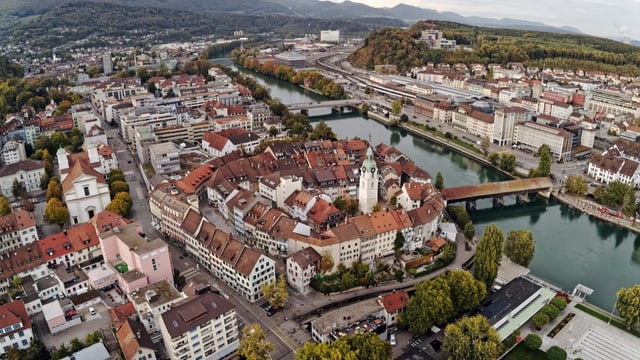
x,y
498,190
324,104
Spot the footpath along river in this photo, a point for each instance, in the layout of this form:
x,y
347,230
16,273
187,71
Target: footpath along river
x,y
571,248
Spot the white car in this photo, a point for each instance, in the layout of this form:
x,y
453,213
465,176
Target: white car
x,y
92,311
392,340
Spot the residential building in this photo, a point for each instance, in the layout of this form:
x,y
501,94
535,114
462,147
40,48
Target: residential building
x,y
18,229
302,266
202,327
138,261
152,300
15,327
169,206
165,158
107,63
394,304
505,120
135,341
13,152
27,172
226,141
76,245
611,102
154,117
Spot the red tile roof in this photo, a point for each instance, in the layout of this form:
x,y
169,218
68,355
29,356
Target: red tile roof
x,y
395,301
74,239
12,314
78,169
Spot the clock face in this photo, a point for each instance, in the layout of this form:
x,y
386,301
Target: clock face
x,y
373,170
364,169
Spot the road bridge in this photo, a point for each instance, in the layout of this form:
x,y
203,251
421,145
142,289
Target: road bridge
x,y
497,190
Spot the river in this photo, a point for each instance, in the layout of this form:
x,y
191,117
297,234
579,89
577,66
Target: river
x,y
571,247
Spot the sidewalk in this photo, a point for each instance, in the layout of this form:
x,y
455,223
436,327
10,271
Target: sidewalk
x,y
593,209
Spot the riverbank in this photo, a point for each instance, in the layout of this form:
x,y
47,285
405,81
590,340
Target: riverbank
x,y
593,209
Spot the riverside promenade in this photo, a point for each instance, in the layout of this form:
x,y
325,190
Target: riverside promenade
x,y
592,208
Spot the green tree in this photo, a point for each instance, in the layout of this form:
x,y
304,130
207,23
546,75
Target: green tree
x,y
520,247
44,181
544,163
628,305
58,140
377,207
439,181
60,352
485,144
396,107
76,345
276,292
507,162
489,255
322,131
5,206
615,192
494,158
551,311
398,242
540,319
36,351
469,230
459,215
465,291
326,263
431,305
116,175
54,190
118,206
471,338
556,353
18,189
273,131
533,342
559,302
576,184
55,212
254,344
92,338
93,71
358,346
117,187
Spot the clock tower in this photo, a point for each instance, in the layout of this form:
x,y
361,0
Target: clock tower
x,y
368,189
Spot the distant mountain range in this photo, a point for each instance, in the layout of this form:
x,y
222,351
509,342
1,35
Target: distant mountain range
x,y
298,8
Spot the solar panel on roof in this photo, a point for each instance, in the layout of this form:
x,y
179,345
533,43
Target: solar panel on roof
x,y
495,308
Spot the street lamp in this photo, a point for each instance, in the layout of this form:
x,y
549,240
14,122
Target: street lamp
x,y
612,310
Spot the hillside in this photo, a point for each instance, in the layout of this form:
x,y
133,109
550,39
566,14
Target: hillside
x,y
492,45
90,23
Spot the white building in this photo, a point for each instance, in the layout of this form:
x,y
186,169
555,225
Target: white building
x,y
203,327
330,36
532,135
153,300
13,152
28,173
165,158
15,327
302,266
504,124
85,192
368,190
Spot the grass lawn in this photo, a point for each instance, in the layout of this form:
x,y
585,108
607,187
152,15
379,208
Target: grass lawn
x,y
520,352
603,317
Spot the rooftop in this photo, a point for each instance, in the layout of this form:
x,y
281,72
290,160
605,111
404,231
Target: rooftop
x,y
155,294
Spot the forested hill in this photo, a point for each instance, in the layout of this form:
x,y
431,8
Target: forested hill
x,y
80,20
399,47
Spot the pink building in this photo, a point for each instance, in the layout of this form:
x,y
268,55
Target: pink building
x,y
137,261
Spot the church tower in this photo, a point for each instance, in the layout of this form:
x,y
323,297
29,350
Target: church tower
x,y
368,190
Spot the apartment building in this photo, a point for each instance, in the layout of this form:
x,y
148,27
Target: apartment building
x,y
611,102
154,117
302,266
202,327
165,158
505,120
15,327
152,300
27,172
532,135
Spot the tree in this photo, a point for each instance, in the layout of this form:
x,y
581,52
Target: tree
x,y
459,215
36,351
544,162
628,305
469,231
92,338
326,263
398,242
465,291
485,144
551,311
431,305
559,302
322,131
54,190
55,212
556,353
18,189
520,247
44,181
377,207
276,292
507,162
439,181
117,187
471,338
253,343
540,319
116,175
358,346
533,342
396,107
58,140
576,185
273,131
489,255
494,158
5,206
76,345
60,352
404,118
119,206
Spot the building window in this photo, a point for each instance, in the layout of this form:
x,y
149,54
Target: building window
x,y
86,191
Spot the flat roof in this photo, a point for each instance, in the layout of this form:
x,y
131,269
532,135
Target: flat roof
x,y
347,315
52,310
158,293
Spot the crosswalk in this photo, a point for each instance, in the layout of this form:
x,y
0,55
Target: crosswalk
x,y
188,274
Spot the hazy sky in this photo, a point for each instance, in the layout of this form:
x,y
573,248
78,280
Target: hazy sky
x,y
597,17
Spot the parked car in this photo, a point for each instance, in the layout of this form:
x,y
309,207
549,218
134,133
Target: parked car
x,y
265,306
272,311
392,340
92,311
